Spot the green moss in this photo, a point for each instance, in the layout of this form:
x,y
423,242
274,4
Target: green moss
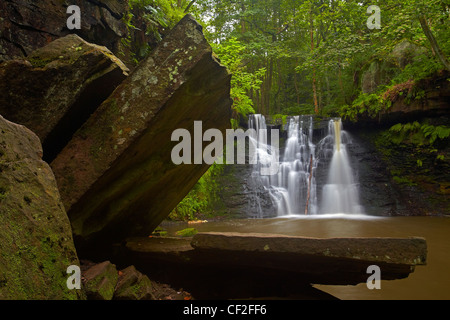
x,y
3,192
404,181
38,62
188,232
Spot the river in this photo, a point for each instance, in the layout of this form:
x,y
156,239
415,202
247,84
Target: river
x,y
430,282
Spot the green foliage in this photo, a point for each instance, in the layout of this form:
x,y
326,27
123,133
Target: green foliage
x,y
230,53
404,181
188,232
200,198
298,42
153,17
422,67
417,133
365,104
280,117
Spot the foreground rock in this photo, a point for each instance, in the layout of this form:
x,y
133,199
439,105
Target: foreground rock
x,y
103,281
397,257
235,265
27,25
58,87
100,281
116,176
36,244
133,285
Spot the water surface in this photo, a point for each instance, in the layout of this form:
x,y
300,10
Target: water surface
x,y
426,282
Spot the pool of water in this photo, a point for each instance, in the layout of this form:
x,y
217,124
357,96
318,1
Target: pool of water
x,y
430,282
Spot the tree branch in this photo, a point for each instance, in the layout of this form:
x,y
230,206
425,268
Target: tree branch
x,y
189,6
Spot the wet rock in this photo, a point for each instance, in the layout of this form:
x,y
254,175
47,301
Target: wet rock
x,y
58,87
116,175
27,25
36,245
100,281
133,285
324,261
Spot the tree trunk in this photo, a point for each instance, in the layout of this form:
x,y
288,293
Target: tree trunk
x,y
297,92
434,45
316,104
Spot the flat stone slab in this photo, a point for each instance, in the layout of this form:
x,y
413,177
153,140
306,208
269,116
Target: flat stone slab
x,y
236,265
339,261
403,251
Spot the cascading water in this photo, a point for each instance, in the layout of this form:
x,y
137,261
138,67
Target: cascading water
x,y
340,193
293,189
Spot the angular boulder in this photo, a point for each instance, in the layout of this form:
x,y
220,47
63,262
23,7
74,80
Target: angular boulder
x,y
36,245
100,281
58,87
133,285
26,25
116,175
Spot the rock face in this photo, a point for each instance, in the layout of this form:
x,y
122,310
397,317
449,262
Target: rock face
x,y
116,176
433,103
28,25
382,72
58,87
36,245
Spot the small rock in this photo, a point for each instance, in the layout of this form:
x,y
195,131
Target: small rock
x,y
133,285
100,281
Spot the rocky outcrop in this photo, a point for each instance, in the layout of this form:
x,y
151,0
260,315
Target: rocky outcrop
x,y
28,25
36,245
382,72
58,87
426,98
116,176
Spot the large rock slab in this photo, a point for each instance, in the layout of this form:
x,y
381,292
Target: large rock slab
x,y
242,265
116,176
26,25
323,261
410,251
58,87
36,244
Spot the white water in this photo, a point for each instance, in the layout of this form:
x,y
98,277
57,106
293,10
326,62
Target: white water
x,y
293,189
340,194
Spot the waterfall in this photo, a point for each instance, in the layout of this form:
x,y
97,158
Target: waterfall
x,y
340,193
293,189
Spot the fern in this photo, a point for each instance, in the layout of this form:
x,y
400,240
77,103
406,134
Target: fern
x,y
401,132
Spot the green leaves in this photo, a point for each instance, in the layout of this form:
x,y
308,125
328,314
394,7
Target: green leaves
x,y
415,132
243,82
366,104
